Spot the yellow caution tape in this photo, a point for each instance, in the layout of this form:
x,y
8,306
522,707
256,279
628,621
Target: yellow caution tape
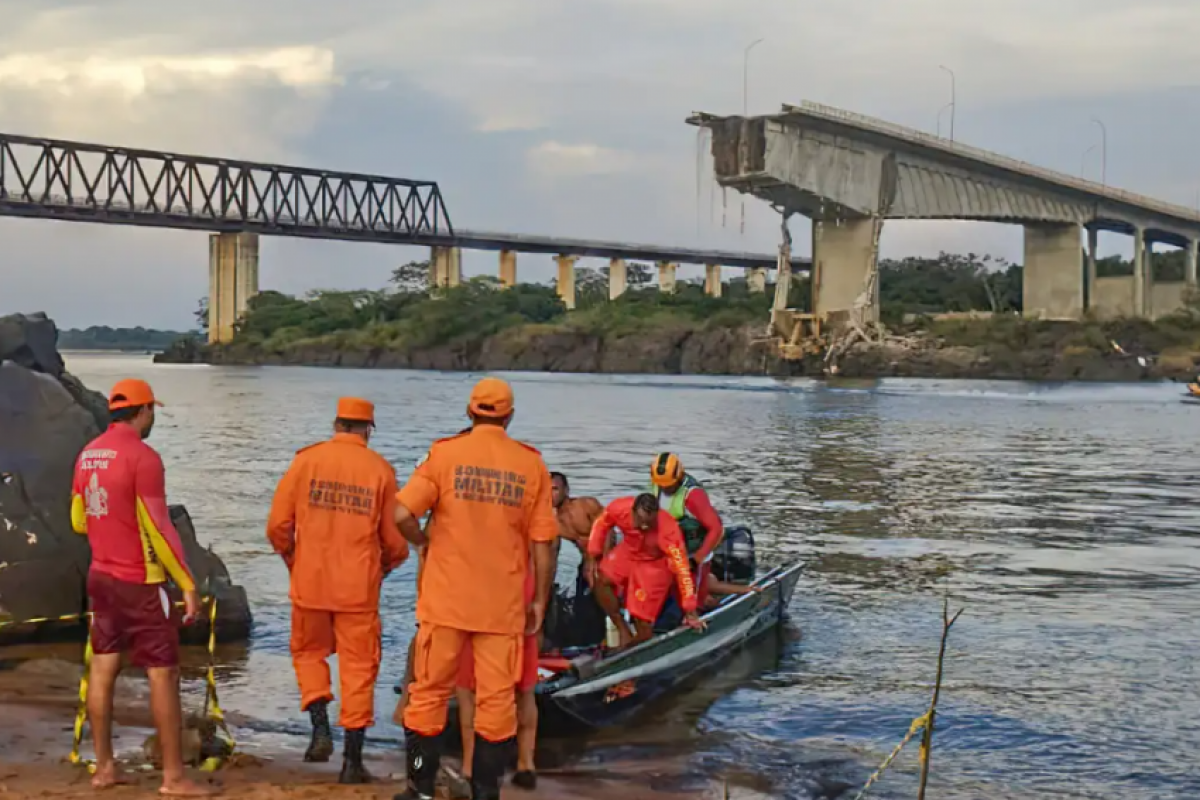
x,y
212,707
917,725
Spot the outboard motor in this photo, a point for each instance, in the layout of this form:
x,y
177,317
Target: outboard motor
x,y
733,561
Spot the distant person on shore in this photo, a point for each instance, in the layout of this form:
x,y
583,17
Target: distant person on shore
x,y
119,501
491,501
333,522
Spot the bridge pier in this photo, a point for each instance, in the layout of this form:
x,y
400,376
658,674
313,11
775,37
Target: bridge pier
x,y
1089,290
508,268
843,261
756,280
232,281
618,277
712,280
1053,275
446,266
1139,272
566,279
666,277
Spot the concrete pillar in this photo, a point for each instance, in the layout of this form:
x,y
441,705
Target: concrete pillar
x,y
1189,274
756,280
232,281
843,260
1090,288
618,278
1053,275
712,280
508,268
446,266
666,277
566,279
1139,272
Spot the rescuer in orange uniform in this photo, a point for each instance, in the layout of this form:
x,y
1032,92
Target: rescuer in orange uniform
x,y
119,501
491,501
333,521
641,569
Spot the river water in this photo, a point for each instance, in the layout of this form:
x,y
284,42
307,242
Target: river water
x,y
1063,518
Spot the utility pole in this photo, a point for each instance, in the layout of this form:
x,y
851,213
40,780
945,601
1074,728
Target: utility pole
x,y
953,97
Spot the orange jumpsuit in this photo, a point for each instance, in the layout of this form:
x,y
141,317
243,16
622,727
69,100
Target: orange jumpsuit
x,y
491,499
333,521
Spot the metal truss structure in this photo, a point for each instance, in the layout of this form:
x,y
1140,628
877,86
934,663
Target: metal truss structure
x,y
50,179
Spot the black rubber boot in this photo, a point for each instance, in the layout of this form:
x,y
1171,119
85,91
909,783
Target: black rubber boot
x,y
321,747
525,779
487,770
424,759
353,771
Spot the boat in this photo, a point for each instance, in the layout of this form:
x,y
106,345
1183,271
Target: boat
x,y
595,690
584,687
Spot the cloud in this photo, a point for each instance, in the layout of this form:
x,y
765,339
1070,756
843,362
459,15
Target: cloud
x,y
557,159
557,118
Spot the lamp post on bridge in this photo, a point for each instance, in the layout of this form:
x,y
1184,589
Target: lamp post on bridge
x,y
746,76
1103,152
953,97
1083,160
746,107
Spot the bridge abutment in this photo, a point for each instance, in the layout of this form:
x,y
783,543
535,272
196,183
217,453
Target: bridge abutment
x,y
232,281
1054,269
843,262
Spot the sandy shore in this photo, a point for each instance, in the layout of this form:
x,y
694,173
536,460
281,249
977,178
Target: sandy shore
x,y
37,709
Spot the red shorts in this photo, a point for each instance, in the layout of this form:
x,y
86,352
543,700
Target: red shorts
x,y
529,666
702,583
644,585
133,618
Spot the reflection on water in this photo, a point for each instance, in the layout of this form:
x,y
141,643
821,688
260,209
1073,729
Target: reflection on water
x,y
1061,517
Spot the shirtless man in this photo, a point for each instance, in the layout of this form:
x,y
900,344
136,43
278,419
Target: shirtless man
x,y
575,515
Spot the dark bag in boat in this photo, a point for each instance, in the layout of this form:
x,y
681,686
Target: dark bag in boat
x,y
574,620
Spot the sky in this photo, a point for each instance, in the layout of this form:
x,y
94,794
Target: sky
x,y
560,118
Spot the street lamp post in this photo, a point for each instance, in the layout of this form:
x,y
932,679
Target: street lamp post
x,y
1103,152
746,76
953,97
746,108
1083,160
941,111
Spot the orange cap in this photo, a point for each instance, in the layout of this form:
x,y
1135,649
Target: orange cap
x,y
131,392
355,409
491,397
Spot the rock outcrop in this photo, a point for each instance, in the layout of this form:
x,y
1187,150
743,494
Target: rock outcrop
x,y
46,417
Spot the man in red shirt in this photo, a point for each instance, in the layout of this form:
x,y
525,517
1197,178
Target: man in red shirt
x,y
641,567
118,500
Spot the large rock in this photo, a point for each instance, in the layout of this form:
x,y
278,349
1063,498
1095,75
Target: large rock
x,y
46,417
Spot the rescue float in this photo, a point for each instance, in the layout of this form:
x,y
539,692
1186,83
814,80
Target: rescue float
x,y
589,687
1192,395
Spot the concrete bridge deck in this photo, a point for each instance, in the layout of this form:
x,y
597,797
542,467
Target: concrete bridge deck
x,y
848,172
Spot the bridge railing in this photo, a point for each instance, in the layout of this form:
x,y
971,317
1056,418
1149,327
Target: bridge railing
x,y
90,182
996,159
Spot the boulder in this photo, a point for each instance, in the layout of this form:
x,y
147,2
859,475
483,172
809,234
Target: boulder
x,y
46,417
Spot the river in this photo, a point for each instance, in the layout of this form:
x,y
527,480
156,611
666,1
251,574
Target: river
x,y
1063,518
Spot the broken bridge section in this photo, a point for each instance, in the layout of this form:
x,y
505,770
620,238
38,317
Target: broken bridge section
x,y
848,173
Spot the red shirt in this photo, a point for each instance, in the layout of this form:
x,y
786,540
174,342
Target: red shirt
x,y
119,501
664,543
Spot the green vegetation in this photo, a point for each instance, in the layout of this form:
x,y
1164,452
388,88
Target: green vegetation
x,y
103,337
407,317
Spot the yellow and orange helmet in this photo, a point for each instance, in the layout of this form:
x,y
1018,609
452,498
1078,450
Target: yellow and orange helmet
x,y
666,470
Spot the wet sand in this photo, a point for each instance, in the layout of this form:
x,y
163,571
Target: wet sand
x,y
39,701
